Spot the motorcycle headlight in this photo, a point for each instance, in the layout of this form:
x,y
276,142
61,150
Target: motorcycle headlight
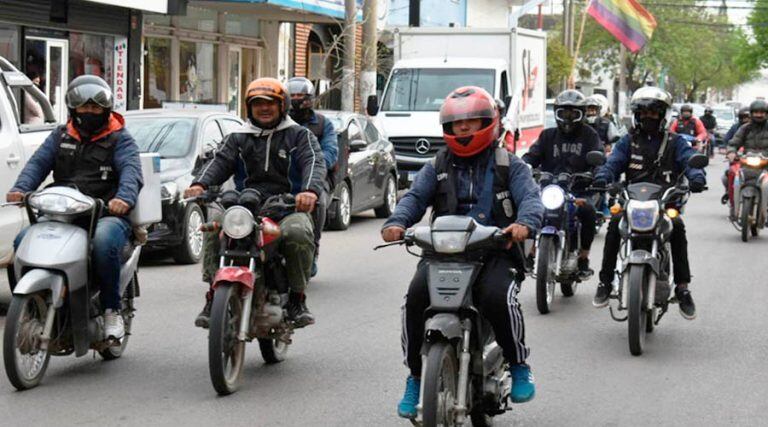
x,y
449,242
754,161
552,197
238,222
642,215
61,204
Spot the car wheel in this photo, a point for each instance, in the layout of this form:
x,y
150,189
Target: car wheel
x,y
190,250
390,199
343,209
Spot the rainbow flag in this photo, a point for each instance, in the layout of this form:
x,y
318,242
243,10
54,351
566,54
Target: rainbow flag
x,y
627,20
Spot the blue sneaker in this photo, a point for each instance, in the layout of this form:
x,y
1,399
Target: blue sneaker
x,y
407,406
523,388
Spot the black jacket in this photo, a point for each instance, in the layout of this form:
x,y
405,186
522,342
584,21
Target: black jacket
x,y
555,152
709,121
266,156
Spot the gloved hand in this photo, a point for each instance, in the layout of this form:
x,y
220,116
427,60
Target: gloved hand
x,y
696,186
599,183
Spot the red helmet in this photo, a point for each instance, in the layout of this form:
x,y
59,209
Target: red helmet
x,y
469,102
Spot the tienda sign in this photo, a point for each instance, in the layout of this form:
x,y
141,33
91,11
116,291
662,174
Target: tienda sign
x,y
120,77
159,6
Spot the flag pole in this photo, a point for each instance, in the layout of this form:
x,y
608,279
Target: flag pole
x,y
571,78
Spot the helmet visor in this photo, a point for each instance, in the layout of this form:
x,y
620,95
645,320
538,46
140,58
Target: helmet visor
x,y
467,108
83,94
568,115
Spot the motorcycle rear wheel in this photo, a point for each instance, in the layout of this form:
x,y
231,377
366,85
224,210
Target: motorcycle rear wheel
x,y
440,384
272,350
637,313
24,321
545,280
746,211
225,352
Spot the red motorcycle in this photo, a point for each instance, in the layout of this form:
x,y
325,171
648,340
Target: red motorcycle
x,y
250,287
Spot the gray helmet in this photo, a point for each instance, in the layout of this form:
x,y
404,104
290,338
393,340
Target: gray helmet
x,y
655,99
570,98
686,107
758,105
743,113
89,88
301,85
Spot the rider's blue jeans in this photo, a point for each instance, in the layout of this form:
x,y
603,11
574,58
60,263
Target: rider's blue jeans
x,y
112,234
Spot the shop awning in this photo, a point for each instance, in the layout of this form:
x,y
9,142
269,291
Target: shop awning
x,y
159,6
332,8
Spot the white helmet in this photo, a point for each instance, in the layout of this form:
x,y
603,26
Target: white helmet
x,y
605,106
652,98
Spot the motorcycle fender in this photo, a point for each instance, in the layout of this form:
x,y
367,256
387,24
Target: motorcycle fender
x,y
642,257
40,280
239,275
446,324
129,269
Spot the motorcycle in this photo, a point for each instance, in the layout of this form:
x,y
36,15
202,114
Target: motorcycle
x,y
464,372
55,309
643,288
558,242
750,208
250,287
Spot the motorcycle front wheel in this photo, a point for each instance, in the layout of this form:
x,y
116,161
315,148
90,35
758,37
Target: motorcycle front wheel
x,y
440,385
25,362
746,211
637,312
225,351
545,274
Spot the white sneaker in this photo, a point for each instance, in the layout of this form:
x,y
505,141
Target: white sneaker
x,y
113,324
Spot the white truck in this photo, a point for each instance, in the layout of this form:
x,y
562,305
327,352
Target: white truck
x,y
431,62
18,142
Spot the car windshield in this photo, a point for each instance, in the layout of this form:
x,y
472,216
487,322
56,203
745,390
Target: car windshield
x,y
724,114
171,137
425,89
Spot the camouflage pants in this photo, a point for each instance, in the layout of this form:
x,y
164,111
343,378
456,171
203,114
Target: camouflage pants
x,y
296,245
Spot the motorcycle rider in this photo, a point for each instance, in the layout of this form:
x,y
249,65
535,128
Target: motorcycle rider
x,y
752,136
743,118
730,173
456,183
650,153
564,149
689,124
264,148
710,124
96,154
302,95
604,127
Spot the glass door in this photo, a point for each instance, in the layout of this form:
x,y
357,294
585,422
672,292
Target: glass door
x,y
234,85
49,59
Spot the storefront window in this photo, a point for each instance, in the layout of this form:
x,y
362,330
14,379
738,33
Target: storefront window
x,y
242,25
9,43
198,72
157,71
156,19
199,19
91,54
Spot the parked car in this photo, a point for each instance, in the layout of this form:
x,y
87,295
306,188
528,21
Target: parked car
x,y
18,141
185,140
726,117
366,175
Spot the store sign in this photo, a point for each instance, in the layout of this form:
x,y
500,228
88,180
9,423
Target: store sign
x,y
334,8
120,78
159,6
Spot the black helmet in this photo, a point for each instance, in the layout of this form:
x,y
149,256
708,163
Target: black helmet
x,y
89,88
758,105
686,107
569,110
743,113
708,110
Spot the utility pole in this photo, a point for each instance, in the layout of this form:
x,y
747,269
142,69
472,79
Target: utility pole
x,y
370,41
414,13
348,69
622,104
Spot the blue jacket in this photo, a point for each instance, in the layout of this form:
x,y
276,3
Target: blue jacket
x,y
126,161
328,143
470,181
731,132
618,161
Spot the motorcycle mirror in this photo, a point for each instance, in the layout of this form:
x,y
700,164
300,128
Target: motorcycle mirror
x,y
596,158
698,161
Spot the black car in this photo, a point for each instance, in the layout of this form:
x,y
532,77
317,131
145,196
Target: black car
x,y
185,139
366,174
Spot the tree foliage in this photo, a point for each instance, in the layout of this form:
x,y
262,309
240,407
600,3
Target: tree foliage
x,y
695,49
558,62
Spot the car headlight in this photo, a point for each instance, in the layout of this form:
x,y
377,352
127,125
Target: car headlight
x,y
642,215
61,204
552,197
238,222
169,190
449,242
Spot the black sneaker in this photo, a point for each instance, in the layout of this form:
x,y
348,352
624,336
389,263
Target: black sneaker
x,y
724,199
584,271
685,302
602,295
204,317
298,311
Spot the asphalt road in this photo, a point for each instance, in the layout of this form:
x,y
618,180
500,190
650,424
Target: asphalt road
x,y
347,369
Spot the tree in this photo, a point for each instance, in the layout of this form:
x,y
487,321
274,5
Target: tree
x,y
558,62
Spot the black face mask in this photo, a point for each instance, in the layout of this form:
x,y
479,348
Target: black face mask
x,y
88,124
650,125
300,115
